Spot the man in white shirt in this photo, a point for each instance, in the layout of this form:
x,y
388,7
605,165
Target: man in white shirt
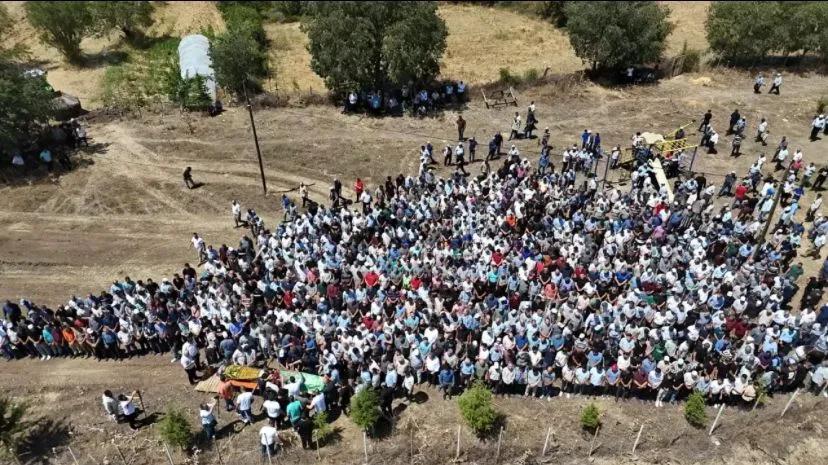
x,y
200,248
817,125
244,403
273,409
777,81
236,210
269,439
208,421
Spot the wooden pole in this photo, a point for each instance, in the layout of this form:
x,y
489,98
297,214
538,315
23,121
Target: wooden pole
x,y
121,454
499,441
637,438
169,455
365,445
457,454
269,458
756,404
546,442
716,421
789,403
74,459
594,437
218,452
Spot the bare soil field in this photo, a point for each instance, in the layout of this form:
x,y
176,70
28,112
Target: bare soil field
x,y
125,211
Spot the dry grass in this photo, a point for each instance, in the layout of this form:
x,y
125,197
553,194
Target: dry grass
x,y
482,40
182,18
290,58
688,18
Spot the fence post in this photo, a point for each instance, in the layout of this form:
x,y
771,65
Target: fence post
x,y
546,442
637,438
788,405
457,454
594,437
74,459
499,440
365,445
716,421
169,456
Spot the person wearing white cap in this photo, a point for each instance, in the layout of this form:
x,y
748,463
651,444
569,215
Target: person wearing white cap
x,y
777,82
817,125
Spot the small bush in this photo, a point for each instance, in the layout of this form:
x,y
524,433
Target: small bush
x,y
761,393
530,75
506,76
175,430
476,408
321,426
365,408
692,59
694,410
590,417
822,104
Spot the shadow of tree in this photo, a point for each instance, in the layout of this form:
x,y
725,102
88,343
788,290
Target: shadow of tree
x,y
43,437
34,171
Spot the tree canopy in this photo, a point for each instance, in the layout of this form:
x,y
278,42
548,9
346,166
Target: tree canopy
x,y
742,30
131,18
373,45
62,25
239,61
613,34
26,101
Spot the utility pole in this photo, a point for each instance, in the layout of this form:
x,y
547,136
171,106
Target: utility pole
x,y
255,138
776,197
606,170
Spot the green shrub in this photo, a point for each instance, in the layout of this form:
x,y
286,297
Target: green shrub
x,y
13,427
365,408
175,430
761,390
530,75
476,408
590,417
694,410
241,19
506,76
822,104
692,59
321,426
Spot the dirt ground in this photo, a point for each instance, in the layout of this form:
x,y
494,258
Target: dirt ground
x,y
124,211
66,394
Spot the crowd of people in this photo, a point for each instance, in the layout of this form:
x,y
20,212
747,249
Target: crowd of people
x,y
421,102
531,280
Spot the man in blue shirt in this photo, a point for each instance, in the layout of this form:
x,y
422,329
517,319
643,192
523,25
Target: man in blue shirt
x,y
446,381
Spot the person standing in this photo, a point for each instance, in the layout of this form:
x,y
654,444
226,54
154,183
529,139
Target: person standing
x,y
734,120
460,124
737,145
777,81
708,115
447,156
460,158
305,430
760,131
200,248
472,148
128,409
244,403
110,404
208,420
235,208
515,127
269,439
188,178
758,83
817,125
820,179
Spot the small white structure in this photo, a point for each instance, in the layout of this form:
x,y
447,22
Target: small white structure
x,y
194,60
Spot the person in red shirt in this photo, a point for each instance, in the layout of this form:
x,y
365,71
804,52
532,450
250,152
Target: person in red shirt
x,y
358,187
741,192
371,279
